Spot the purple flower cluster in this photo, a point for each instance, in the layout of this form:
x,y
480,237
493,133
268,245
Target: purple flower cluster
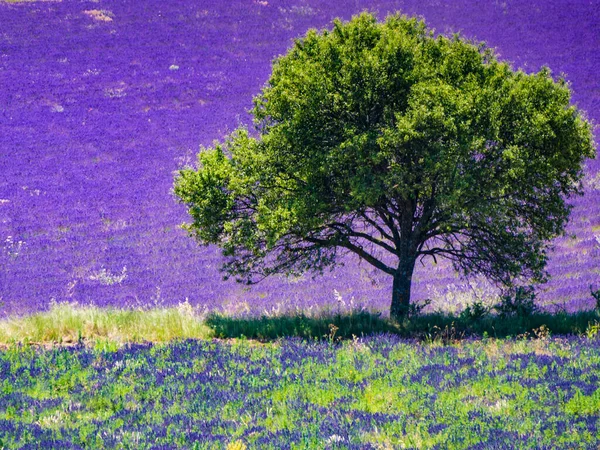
x,y
102,101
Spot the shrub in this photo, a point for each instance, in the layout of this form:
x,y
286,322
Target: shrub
x,y
521,304
596,295
474,312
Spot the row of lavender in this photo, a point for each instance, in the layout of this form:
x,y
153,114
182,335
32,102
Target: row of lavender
x,y
101,101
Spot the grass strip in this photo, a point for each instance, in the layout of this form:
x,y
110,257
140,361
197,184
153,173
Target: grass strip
x,y
66,323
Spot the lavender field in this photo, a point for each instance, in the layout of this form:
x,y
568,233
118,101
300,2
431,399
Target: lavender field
x,y
375,393
102,101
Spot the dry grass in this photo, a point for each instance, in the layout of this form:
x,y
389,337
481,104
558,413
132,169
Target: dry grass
x,y
67,323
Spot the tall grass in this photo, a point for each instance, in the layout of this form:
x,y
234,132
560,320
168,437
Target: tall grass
x,y
69,323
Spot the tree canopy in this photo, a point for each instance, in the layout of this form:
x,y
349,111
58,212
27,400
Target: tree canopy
x,y
385,140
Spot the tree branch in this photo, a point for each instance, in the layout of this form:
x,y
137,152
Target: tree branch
x,y
375,225
388,219
355,249
352,233
368,257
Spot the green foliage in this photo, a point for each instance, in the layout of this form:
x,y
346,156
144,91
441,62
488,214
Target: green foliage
x,y
415,309
330,327
424,327
383,139
593,329
596,295
474,312
520,303
582,404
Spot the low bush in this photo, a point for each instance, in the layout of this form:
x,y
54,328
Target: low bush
x,y
520,302
596,295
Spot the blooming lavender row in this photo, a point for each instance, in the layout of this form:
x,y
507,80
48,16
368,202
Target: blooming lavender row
x,y
377,392
101,101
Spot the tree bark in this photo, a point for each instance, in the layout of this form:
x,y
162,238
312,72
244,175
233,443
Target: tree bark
x,y
401,289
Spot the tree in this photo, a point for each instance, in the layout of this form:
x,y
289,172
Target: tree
x,y
384,140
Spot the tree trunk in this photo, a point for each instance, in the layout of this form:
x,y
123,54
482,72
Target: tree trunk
x,y
401,289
